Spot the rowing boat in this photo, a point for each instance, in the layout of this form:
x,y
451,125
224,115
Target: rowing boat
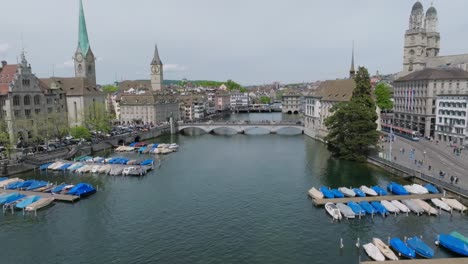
x,y
427,208
316,194
41,203
438,203
454,204
373,252
384,248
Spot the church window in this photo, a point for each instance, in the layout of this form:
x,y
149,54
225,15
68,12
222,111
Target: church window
x,y
37,99
80,68
27,100
16,100
90,69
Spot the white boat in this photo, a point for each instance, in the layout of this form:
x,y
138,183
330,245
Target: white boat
x,y
6,182
438,203
384,248
95,168
368,191
43,202
166,151
403,208
346,210
454,204
316,194
410,189
420,189
156,150
413,206
390,207
333,211
427,208
373,252
347,191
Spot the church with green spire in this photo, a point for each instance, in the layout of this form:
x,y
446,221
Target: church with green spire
x,y
85,66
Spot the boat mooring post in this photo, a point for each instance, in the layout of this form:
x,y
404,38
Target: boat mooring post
x,y
358,242
341,243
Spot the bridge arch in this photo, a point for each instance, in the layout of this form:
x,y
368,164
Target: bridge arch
x,y
300,130
231,128
264,130
206,130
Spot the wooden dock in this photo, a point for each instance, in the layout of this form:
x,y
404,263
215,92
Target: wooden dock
x,y
425,261
377,198
58,197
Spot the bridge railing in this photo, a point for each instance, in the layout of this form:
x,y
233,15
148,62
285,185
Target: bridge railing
x,y
242,124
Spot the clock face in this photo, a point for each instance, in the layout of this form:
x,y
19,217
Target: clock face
x,y
79,57
155,69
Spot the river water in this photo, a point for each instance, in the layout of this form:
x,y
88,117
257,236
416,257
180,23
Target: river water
x,y
219,199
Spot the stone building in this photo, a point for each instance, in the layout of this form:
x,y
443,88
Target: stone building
x,y
452,118
156,72
222,101
415,97
422,43
26,103
239,101
292,102
148,109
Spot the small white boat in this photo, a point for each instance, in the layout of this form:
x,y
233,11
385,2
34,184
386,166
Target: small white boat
x,y
347,191
419,188
390,207
316,194
368,191
403,208
373,252
346,210
413,206
43,202
384,248
410,189
333,211
95,169
426,207
454,204
438,203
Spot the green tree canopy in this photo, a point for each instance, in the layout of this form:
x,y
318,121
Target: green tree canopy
x,y
80,132
352,127
265,99
97,118
382,95
110,88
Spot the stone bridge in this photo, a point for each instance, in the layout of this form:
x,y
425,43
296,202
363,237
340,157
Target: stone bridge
x,y
272,128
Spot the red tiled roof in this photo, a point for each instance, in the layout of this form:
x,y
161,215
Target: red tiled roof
x,y
7,74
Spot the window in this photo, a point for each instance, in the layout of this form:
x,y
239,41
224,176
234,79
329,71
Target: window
x,y
37,100
16,100
16,113
27,113
37,111
27,100
25,82
49,100
49,110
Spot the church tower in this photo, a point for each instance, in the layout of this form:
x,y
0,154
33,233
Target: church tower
x,y
414,57
156,72
352,71
85,62
433,36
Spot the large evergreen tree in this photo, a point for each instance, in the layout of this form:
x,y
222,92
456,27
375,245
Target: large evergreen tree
x,y
352,127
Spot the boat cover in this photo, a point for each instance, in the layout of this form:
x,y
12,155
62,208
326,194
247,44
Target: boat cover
x,y
82,189
356,208
27,201
326,192
402,248
337,193
459,236
379,207
379,190
453,244
397,189
420,247
367,207
359,192
431,188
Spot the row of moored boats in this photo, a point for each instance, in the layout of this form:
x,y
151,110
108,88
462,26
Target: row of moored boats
x,y
415,246
80,189
144,148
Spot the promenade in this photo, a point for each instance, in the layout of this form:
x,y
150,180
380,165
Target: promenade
x,y
429,158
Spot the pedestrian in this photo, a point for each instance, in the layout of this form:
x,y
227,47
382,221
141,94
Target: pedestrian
x,y
429,167
456,180
451,179
415,161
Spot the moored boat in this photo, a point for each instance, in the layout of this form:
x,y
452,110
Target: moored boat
x,y
384,248
337,193
82,189
431,188
454,204
347,191
421,248
397,189
426,207
400,247
459,236
413,206
453,244
346,210
41,203
358,192
11,198
333,211
27,201
410,189
379,207
326,192
438,203
379,190
390,207
357,209
373,252
419,188
36,185
367,207
368,191
316,194
403,208
8,181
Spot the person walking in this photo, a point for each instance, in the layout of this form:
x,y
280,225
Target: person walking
x,y
451,179
456,180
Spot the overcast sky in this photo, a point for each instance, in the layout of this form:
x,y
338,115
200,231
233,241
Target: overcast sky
x,y
249,41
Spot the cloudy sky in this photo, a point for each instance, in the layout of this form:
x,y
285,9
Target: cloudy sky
x,y
250,41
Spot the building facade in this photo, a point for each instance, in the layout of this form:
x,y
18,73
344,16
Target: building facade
x,y
452,118
157,78
292,103
148,109
222,101
239,101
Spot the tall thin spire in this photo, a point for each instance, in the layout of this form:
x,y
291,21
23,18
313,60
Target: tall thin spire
x,y
156,60
83,42
352,71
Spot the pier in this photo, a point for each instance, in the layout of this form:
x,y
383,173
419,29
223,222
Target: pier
x,y
58,197
424,261
323,201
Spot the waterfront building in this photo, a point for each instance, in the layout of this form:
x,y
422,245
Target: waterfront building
x,y
239,101
25,101
222,101
451,118
415,96
292,102
150,108
82,90
156,72
422,43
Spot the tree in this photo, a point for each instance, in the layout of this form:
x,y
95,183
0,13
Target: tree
x,y
265,99
80,132
352,127
382,96
110,88
97,118
5,138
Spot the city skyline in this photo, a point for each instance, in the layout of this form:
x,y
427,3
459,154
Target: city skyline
x,y
193,46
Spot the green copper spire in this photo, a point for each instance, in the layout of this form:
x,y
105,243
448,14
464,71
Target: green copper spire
x,y
83,42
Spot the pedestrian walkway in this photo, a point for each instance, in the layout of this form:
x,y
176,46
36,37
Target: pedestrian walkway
x,y
428,158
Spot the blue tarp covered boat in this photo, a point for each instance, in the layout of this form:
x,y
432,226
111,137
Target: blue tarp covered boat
x,y
357,209
367,207
11,198
337,193
421,248
27,201
58,188
397,189
147,162
82,189
45,166
140,150
453,244
26,184
379,190
3,178
65,166
431,188
326,192
402,248
359,192
133,144
36,184
14,185
379,207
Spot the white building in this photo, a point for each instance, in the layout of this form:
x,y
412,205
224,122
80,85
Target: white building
x,y
239,101
292,102
148,108
452,119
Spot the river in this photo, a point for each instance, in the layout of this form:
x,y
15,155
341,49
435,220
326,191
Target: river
x,y
219,199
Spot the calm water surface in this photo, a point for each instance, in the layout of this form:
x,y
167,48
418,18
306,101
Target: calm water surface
x,y
220,199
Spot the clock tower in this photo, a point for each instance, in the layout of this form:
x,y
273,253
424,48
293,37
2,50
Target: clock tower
x,y
156,72
84,58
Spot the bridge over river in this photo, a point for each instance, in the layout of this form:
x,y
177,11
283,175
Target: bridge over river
x,y
241,128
